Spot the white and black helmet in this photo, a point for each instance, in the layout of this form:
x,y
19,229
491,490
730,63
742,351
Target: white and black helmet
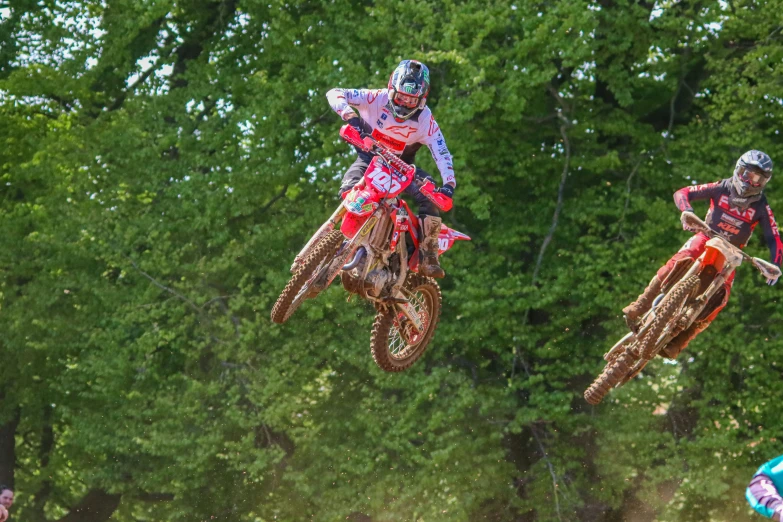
x,y
409,86
751,174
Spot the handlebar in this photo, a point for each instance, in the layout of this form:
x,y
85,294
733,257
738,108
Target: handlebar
x,y
371,145
694,223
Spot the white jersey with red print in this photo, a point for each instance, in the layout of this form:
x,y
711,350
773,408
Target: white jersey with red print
x,y
404,138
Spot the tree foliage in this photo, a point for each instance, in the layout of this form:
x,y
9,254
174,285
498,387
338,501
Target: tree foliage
x,y
162,162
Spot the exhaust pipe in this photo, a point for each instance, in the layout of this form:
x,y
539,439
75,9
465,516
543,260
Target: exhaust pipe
x,y
356,259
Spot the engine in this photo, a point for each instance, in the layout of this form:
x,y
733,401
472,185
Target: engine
x,y
376,280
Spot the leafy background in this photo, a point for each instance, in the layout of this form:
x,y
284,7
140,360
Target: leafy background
x,y
162,161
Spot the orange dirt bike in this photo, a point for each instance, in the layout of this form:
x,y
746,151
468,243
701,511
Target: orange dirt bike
x,y
372,241
684,296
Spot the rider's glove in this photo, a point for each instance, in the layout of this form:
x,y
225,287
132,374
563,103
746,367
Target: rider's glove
x,y
356,123
425,179
447,190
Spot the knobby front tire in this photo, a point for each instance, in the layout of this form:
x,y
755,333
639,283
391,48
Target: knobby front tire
x,y
628,364
665,313
295,292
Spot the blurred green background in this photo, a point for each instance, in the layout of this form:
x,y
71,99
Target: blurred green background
x,y
162,161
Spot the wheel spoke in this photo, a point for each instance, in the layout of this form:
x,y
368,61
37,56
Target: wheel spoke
x,y
402,337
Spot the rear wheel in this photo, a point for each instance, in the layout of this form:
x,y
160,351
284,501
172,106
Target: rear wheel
x,y
297,289
395,344
614,373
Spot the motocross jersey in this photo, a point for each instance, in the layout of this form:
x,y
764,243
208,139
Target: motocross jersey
x,y
404,138
763,492
734,223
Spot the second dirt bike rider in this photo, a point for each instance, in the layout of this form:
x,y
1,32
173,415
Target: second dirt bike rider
x,y
399,118
737,205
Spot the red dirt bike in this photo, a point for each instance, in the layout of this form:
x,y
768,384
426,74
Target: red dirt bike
x,y
685,294
372,241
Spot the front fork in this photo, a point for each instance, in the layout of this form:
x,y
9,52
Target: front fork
x,y
697,306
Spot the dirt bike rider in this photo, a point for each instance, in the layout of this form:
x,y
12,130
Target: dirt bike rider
x,y
737,205
399,118
763,492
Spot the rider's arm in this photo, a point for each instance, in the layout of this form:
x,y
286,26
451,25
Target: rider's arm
x,y
433,138
771,235
343,101
684,196
764,497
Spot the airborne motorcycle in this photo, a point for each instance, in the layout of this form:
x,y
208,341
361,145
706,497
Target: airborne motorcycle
x,y
685,293
366,241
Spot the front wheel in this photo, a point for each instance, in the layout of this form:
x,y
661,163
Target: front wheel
x,y
395,344
306,273
666,316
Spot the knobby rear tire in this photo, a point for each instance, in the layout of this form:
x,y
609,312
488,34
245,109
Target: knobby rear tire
x,y
292,296
384,329
613,374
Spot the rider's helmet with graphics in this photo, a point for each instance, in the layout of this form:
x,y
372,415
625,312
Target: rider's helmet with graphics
x,y
409,86
751,174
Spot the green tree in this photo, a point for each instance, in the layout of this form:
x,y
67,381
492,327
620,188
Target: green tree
x,y
162,162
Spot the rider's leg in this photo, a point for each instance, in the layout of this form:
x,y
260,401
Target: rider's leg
x,y
429,218
716,304
691,249
643,303
354,173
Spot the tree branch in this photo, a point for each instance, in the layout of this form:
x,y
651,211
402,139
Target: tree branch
x,y
551,470
559,205
274,200
155,282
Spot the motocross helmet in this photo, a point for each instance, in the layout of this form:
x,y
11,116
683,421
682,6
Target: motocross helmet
x,y
751,174
409,86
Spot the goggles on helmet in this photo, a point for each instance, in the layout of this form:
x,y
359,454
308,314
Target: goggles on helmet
x,y
752,177
405,100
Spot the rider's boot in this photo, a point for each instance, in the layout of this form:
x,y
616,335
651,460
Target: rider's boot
x,y
428,247
643,303
679,343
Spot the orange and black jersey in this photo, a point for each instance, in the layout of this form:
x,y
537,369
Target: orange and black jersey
x,y
734,223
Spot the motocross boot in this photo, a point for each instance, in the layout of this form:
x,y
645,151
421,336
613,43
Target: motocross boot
x,y
678,344
643,303
428,247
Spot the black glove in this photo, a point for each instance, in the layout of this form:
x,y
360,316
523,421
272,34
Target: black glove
x,y
447,190
356,123
424,179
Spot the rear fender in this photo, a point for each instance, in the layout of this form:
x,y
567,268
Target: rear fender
x,y
446,240
447,237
